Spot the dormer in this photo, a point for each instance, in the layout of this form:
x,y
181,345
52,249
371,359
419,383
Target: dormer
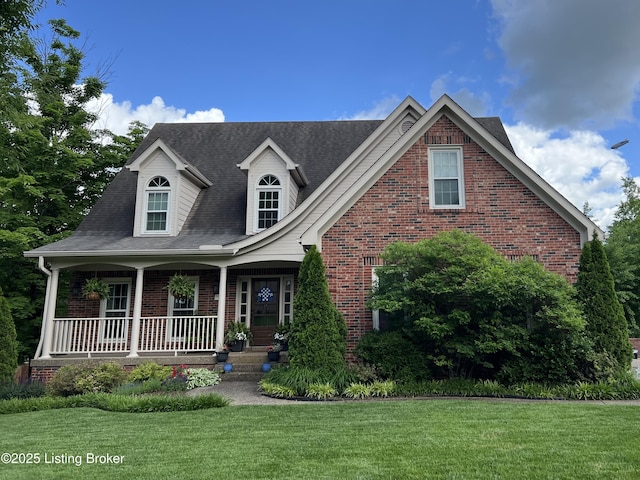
x,y
273,183
167,188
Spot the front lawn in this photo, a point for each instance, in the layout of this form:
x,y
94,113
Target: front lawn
x,y
336,440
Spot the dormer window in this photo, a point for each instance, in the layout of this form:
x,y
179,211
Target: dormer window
x,y
157,206
269,194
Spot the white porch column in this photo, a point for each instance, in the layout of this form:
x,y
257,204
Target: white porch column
x,y
50,311
137,313
222,303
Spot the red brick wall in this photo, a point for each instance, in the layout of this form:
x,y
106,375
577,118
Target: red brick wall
x,y
499,209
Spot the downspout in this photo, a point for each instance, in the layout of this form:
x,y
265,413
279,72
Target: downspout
x,y
46,304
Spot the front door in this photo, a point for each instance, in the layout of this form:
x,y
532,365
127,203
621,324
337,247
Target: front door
x,y
264,309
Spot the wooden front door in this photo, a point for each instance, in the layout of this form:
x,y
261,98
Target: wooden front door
x,y
265,314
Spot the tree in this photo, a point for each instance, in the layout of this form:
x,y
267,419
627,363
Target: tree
x,y
318,332
8,344
476,315
53,165
606,324
623,251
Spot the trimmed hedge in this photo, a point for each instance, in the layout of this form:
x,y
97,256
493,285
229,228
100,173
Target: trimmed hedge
x,y
116,403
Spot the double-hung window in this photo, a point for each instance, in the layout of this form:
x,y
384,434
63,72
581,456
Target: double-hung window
x,y
115,311
269,202
180,309
157,206
446,184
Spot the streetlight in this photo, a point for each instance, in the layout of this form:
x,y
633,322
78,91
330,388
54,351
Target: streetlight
x,y
616,146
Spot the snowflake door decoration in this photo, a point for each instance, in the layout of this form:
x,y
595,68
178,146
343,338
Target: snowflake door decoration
x,y
265,294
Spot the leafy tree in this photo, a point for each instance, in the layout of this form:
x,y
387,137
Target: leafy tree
x,y
475,314
8,344
606,324
623,252
318,333
53,165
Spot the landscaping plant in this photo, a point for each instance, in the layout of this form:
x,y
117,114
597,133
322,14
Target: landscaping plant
x,y
318,335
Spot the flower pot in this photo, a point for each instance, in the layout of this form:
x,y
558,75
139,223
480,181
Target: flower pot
x,y
266,367
222,356
227,367
273,356
284,346
237,346
93,296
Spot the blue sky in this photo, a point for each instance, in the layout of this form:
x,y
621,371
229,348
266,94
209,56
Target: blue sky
x,y
564,76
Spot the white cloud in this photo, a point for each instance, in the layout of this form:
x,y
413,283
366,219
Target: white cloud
x,y
580,166
379,111
475,104
117,116
575,63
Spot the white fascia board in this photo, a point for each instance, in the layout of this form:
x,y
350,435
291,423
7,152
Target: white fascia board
x,y
181,164
409,105
203,250
294,168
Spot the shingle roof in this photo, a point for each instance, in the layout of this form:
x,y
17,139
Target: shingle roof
x,y
218,216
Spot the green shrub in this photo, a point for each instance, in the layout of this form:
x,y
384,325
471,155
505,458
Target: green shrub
x,y
137,388
21,390
84,378
101,378
147,371
357,390
8,342
383,389
276,390
321,391
201,377
115,403
318,335
393,356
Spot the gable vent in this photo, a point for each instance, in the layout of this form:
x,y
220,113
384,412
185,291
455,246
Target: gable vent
x,y
405,126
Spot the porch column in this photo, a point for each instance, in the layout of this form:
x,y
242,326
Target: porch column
x,y
222,303
137,313
50,311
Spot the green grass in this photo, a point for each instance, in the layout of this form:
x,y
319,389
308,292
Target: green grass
x,y
399,439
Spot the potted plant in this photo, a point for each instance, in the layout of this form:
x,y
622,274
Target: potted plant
x,y
236,336
281,336
273,353
182,287
95,289
222,355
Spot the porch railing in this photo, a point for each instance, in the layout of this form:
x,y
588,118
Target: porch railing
x,y
113,335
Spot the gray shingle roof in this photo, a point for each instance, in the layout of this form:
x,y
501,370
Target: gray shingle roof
x,y
218,216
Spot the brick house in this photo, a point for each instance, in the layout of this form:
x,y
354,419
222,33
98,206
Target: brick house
x,y
234,205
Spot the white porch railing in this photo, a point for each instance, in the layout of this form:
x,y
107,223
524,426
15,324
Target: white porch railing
x,y
113,335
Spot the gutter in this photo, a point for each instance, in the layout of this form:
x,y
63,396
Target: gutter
x,y
46,303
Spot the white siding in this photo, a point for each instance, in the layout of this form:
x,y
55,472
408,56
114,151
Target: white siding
x,y
182,197
269,163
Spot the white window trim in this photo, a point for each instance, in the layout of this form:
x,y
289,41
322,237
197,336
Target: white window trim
x,y
266,188
171,300
125,319
432,195
375,314
148,190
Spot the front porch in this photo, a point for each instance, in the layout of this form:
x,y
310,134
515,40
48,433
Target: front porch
x,y
155,335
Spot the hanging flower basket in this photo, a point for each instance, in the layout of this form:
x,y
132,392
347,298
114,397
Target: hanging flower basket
x,y
95,289
182,287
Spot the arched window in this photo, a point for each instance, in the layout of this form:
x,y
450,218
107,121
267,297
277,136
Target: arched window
x,y
268,199
157,206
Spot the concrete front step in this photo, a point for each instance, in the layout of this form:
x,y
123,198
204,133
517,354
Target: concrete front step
x,y
253,357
